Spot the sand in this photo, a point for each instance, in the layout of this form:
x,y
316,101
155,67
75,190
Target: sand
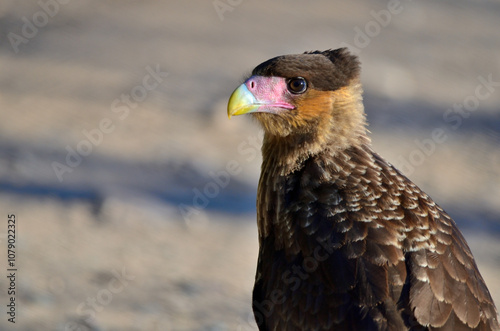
x,y
134,195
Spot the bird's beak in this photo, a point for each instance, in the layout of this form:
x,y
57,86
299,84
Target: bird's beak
x,y
259,94
242,101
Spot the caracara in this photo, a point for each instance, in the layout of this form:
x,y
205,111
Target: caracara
x,y
347,242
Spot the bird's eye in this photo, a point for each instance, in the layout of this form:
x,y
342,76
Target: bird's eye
x,y
297,85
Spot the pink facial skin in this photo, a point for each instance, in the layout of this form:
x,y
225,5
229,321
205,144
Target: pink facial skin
x,y
271,93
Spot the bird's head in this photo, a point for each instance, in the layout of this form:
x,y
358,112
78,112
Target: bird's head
x,y
312,96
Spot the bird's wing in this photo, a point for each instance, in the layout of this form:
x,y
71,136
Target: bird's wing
x,y
442,287
394,251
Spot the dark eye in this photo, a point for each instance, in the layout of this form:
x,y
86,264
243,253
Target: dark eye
x,y
297,85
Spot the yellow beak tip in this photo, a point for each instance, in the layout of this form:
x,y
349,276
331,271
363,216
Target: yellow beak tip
x,y
241,101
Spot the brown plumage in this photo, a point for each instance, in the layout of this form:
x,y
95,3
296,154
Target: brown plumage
x,y
346,241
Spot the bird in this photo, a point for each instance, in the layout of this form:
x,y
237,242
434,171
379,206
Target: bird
x,y
346,240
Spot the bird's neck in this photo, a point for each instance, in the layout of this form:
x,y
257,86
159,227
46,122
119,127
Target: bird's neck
x,y
293,169
285,155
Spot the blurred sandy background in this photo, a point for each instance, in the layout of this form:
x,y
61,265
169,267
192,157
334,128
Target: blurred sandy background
x,y
141,228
